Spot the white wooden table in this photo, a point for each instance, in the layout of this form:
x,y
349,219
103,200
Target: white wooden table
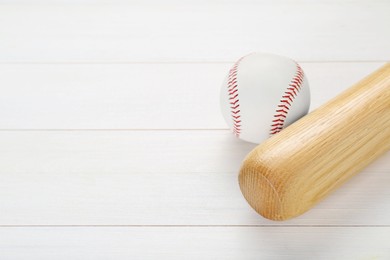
x,y
112,145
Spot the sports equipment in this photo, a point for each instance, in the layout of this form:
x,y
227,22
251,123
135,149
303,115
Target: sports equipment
x,y
293,170
262,94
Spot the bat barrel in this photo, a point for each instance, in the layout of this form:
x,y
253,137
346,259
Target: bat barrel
x,y
293,170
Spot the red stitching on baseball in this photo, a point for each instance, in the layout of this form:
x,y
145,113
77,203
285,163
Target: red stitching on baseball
x,y
232,92
235,107
286,101
280,115
282,111
284,106
276,128
234,97
234,87
233,103
293,90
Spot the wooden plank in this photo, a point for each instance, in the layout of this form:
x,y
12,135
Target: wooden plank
x,y
154,178
136,96
195,243
194,31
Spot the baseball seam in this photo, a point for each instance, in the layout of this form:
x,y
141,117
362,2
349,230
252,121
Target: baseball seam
x,y
234,100
286,101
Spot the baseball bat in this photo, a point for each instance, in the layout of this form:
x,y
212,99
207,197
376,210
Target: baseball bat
x,y
293,170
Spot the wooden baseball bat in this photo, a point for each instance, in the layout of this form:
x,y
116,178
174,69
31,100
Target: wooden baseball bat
x,y
293,170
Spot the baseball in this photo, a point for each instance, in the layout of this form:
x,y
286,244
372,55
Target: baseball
x,y
263,94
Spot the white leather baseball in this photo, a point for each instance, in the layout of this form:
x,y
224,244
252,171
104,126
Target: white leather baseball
x,y
262,94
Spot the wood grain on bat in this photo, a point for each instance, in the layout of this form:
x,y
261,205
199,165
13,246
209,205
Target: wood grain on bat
x,y
293,170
